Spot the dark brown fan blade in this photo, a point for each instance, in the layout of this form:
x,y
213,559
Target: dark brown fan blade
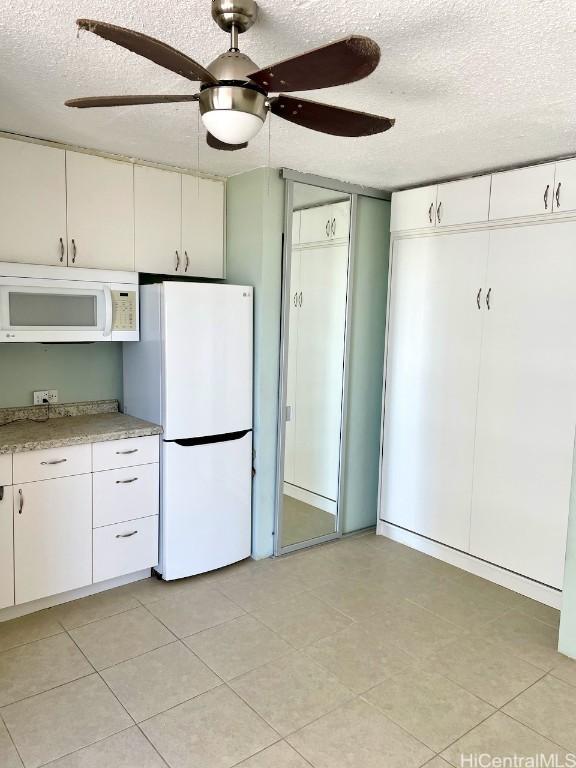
x,y
215,143
327,119
344,61
150,48
125,101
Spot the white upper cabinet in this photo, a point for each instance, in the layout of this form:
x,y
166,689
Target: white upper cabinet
x,y
157,196
413,209
463,202
523,192
564,199
315,224
100,212
325,223
340,224
32,203
203,227
296,216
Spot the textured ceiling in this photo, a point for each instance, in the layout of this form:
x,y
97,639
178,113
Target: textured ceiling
x,y
473,84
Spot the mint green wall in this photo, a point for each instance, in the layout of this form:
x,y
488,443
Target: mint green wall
x,y
368,324
567,644
254,220
77,371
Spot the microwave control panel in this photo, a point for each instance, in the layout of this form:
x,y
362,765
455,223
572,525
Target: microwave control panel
x,y
124,311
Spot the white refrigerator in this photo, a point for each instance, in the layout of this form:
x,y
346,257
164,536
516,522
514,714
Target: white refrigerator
x,y
191,372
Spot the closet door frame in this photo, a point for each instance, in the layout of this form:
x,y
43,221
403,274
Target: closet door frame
x,y
282,391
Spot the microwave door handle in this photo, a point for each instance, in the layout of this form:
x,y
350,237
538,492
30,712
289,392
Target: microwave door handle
x,y
107,310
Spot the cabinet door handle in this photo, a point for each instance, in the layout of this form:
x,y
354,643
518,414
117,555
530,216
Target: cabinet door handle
x,y
123,482
187,261
126,535
488,298
430,212
177,261
296,299
328,228
127,452
558,194
73,251
546,196
333,227
1,493
21,503
438,210
300,299
61,250
54,461
478,297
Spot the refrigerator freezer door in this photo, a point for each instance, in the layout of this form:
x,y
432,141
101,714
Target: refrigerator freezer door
x,y
207,380
206,506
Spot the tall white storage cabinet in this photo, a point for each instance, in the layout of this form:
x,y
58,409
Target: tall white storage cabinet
x,y
435,327
480,391
317,324
527,402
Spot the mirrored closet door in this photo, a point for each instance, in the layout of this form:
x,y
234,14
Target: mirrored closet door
x,y
316,273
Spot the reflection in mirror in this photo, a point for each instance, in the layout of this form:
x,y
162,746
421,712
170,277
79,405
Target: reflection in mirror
x,y
316,326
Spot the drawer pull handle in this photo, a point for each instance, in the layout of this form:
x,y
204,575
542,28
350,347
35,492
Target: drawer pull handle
x,y
126,453
126,535
55,461
131,480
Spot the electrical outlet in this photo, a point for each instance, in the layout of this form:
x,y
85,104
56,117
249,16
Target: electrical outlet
x,y
43,396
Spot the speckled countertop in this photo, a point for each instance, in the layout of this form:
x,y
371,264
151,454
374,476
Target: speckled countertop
x,y
29,429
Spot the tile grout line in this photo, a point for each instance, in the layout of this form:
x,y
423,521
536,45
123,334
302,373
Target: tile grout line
x,y
538,733
11,739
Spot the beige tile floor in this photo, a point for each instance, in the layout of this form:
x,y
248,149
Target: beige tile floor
x,y
356,654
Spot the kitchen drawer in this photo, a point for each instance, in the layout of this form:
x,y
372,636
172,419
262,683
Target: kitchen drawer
x,y
52,462
125,453
5,469
125,494
125,548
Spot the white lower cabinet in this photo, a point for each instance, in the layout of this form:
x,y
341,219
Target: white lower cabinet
x,y
52,536
77,515
125,548
125,494
6,547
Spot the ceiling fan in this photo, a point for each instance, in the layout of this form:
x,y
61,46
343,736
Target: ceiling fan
x,y
234,93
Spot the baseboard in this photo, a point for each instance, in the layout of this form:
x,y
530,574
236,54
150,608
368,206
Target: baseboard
x,y
15,611
308,497
504,578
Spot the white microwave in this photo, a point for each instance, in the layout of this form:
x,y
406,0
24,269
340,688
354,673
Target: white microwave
x,y
62,304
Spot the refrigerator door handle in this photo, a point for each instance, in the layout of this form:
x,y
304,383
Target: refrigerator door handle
x,y
191,441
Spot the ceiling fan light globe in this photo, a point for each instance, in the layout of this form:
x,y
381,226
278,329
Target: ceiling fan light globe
x,y
232,127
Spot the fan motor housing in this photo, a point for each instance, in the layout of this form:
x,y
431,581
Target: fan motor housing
x,y
233,66
240,14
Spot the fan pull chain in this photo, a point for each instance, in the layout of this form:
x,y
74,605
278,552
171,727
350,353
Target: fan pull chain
x,y
269,151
